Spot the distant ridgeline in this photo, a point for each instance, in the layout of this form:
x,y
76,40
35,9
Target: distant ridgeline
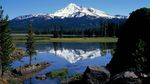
x,y
44,25
80,20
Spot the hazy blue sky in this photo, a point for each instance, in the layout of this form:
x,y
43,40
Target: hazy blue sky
x,y
16,8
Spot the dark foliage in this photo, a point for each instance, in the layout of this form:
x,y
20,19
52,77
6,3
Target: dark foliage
x,y
84,26
30,48
129,47
6,44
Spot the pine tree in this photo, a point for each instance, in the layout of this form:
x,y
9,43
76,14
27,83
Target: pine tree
x,y
6,44
55,33
30,48
104,27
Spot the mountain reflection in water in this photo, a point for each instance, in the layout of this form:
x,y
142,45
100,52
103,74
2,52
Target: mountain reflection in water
x,y
74,56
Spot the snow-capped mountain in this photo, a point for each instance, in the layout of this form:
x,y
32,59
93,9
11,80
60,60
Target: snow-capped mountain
x,y
72,16
72,10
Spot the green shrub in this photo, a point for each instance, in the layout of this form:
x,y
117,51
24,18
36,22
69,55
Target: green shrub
x,y
58,73
76,76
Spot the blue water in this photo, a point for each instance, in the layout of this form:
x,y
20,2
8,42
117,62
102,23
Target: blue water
x,y
58,62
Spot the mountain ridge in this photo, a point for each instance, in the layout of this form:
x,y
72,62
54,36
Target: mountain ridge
x,y
71,17
71,11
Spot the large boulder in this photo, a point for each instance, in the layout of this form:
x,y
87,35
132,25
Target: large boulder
x,y
130,77
127,55
95,75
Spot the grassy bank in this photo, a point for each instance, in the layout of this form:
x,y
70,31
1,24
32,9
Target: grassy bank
x,y
96,39
47,38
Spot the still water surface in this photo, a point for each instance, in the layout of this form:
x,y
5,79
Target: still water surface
x,y
74,56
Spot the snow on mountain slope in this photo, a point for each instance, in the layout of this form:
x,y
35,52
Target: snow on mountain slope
x,y
46,16
67,11
72,10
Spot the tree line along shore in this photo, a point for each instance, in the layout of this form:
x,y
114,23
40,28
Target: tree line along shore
x,y
49,38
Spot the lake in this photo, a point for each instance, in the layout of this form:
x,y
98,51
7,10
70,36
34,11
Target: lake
x,y
74,56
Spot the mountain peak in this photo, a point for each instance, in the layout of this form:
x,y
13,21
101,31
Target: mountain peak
x,y
73,10
72,5
67,11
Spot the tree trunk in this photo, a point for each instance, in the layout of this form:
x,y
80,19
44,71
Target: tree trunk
x,y
105,32
30,80
0,68
30,60
2,72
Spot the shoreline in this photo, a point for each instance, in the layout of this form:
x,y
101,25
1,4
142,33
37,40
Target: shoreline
x,y
85,39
